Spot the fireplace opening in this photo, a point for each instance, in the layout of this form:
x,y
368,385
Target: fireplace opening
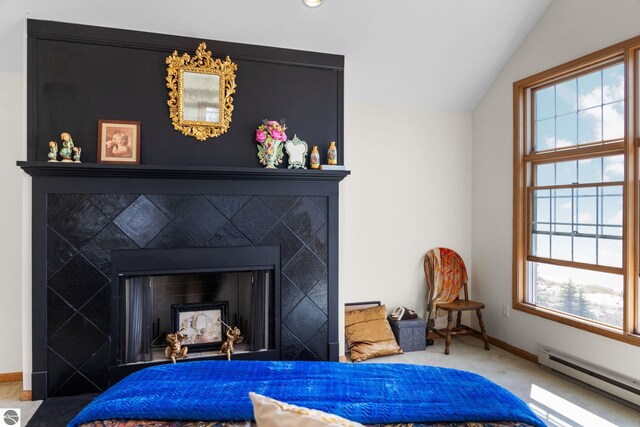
x,y
155,292
198,305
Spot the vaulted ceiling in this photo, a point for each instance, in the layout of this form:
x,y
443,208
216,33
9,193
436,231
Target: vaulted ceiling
x,y
438,54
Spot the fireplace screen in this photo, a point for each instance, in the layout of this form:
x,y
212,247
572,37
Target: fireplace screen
x,y
156,305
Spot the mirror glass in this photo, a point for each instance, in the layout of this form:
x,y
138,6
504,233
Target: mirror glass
x,y
201,101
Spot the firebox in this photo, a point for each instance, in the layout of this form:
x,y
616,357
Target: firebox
x,y
198,292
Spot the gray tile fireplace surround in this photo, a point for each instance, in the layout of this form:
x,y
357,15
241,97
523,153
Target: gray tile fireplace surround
x,y
74,233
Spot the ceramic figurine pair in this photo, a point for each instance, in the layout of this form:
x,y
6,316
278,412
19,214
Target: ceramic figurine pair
x,y
69,152
332,156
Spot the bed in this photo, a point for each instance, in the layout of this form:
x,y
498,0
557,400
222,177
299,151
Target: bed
x,y
215,394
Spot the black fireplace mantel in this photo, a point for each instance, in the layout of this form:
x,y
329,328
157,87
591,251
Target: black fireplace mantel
x,y
38,168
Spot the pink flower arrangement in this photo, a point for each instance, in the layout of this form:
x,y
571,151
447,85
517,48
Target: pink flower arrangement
x,y
270,131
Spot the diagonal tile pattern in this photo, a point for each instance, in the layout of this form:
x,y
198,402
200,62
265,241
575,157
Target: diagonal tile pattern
x,y
228,205
280,205
112,204
141,221
254,219
171,204
84,229
306,270
201,221
76,219
98,250
61,252
305,218
77,282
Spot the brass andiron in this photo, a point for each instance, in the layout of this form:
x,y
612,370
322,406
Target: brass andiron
x,y
175,350
233,337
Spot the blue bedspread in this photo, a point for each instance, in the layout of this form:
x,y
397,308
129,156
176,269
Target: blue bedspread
x,y
368,393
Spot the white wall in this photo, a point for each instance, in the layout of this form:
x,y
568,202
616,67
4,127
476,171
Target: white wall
x,y
394,214
567,30
13,148
427,198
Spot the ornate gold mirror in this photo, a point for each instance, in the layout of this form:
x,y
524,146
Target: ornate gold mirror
x,y
200,89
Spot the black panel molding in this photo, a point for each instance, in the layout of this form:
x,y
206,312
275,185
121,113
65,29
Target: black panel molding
x,y
78,33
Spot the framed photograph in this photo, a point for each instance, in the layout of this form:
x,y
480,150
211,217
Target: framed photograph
x,y
199,322
118,141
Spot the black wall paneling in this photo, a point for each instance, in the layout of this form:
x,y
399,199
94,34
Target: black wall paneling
x,y
79,74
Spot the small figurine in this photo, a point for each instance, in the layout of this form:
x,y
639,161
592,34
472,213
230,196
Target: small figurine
x,y
53,151
332,154
77,152
175,350
233,337
314,158
67,147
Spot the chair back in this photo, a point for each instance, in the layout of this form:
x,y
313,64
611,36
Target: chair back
x,y
446,276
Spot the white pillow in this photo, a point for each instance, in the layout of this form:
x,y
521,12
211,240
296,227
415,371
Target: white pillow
x,y
269,412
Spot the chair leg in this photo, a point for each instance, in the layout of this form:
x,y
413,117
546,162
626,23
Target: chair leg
x,y
459,320
485,338
447,339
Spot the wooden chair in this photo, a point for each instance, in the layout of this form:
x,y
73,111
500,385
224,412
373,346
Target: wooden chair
x,y
456,305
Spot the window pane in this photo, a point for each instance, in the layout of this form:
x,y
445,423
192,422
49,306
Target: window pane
x,y
611,202
562,209
613,168
545,174
584,171
613,83
586,211
566,172
541,245
614,231
545,100
561,247
584,249
566,97
566,130
589,294
613,121
590,170
590,125
590,90
610,252
542,212
545,134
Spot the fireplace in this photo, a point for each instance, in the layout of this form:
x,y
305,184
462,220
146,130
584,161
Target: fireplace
x,y
156,292
90,220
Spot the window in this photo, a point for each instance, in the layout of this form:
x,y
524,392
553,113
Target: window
x,y
575,210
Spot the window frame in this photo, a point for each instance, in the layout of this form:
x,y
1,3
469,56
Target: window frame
x,y
626,52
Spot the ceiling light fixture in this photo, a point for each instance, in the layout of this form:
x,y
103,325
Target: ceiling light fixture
x,y
313,3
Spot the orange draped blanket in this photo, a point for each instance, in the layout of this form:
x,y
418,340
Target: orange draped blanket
x,y
449,276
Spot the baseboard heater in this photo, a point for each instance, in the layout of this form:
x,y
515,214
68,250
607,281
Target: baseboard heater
x,y
623,388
